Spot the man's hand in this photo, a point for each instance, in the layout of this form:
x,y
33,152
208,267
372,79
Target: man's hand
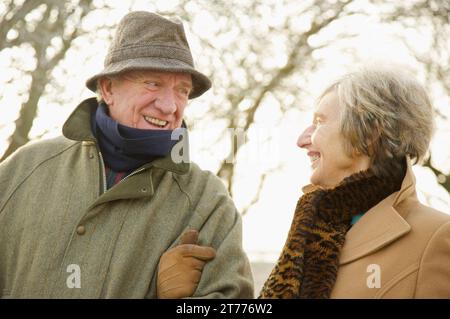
x,y
180,268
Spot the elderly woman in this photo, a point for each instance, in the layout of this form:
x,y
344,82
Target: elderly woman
x,y
359,230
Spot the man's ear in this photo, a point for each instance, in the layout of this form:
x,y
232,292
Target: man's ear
x,y
105,86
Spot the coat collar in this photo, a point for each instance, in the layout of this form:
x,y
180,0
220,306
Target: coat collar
x,y
77,127
381,225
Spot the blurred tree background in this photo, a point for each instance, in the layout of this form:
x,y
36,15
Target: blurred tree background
x,y
265,57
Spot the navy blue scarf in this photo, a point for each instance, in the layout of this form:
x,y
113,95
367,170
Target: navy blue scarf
x,y
125,148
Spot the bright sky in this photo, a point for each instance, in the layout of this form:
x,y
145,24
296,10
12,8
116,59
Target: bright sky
x,y
268,221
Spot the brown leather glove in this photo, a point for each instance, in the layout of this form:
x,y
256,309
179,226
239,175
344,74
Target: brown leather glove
x,y
180,268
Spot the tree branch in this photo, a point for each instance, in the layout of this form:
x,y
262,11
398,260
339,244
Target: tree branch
x,y
226,171
442,178
19,15
262,181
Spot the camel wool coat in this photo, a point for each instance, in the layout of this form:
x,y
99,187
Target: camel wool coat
x,y
398,249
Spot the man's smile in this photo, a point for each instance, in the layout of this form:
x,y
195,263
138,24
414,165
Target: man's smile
x,y
155,121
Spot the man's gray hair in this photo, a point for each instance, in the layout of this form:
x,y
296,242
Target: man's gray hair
x,y
386,115
98,94
98,91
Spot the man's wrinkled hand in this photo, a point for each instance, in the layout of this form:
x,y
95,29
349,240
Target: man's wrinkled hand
x,y
180,268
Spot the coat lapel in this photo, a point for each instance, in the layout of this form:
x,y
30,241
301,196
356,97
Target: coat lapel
x,y
381,225
377,228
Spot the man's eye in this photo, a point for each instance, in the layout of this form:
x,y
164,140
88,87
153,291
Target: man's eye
x,y
184,91
150,84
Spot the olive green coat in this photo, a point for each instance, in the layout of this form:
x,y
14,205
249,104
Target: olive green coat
x,y
55,215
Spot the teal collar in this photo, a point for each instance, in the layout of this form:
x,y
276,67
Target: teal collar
x,y
356,218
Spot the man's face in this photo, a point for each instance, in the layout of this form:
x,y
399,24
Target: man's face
x,y
147,99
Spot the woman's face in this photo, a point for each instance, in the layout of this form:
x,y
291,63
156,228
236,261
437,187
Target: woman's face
x,y
325,145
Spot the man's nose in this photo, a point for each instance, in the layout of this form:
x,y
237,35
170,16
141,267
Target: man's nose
x,y
165,101
304,139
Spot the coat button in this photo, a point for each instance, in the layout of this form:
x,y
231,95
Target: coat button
x,y
91,156
81,230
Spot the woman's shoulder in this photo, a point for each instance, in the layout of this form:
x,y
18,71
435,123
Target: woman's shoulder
x,y
433,226
424,212
426,220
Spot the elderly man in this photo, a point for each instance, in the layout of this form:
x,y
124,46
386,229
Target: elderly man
x,y
91,213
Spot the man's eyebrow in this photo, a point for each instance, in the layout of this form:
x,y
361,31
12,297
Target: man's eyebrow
x,y
150,77
156,76
186,84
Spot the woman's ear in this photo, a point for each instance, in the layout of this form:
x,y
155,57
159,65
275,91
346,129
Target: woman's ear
x,y
355,152
105,86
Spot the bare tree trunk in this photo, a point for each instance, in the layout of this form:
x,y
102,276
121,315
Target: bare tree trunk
x,y
13,16
41,75
27,114
300,48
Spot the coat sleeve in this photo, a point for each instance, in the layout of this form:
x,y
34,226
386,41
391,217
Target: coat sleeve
x,y
12,173
229,274
433,279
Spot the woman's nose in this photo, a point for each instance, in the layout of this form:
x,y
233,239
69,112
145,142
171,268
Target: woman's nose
x,y
305,138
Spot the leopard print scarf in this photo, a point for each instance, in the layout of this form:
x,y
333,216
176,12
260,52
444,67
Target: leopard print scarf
x,y
309,261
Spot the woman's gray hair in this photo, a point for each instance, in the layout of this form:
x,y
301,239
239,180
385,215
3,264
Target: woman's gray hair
x,y
387,115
